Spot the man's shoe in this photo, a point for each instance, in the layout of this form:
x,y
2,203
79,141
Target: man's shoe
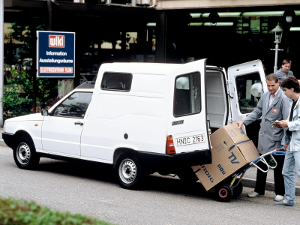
x,y
278,198
285,203
253,194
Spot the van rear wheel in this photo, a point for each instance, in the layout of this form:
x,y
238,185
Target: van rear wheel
x,y
129,171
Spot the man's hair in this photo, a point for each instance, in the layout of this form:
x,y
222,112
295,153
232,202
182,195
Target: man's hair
x,y
272,76
286,61
291,82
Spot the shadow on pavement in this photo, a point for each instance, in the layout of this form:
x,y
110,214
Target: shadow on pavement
x,y
106,173
93,171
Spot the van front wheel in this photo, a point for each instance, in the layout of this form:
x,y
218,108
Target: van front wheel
x,y
129,171
24,153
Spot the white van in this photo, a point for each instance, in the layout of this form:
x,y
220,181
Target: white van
x,y
140,117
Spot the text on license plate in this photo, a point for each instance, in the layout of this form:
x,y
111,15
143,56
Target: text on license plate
x,y
189,140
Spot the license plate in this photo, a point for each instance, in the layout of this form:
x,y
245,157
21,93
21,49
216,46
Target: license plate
x,y
189,140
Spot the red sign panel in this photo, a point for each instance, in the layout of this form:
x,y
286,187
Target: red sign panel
x,y
56,41
56,70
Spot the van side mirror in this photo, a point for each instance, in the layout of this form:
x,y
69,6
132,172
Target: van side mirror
x,y
44,112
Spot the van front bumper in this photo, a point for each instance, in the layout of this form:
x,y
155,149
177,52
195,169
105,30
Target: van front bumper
x,y
8,139
198,157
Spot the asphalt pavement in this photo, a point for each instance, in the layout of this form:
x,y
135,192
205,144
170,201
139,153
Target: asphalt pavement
x,y
93,190
248,179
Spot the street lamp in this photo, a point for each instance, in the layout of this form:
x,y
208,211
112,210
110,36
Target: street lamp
x,y
289,16
278,36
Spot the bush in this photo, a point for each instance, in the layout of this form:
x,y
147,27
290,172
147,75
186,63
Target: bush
x,y
22,84
20,212
13,105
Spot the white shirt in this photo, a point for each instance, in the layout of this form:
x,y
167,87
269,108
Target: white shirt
x,y
272,97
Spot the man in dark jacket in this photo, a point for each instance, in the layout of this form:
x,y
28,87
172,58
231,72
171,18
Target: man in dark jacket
x,y
284,71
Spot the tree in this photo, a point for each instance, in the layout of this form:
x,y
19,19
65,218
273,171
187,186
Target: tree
x,y
17,96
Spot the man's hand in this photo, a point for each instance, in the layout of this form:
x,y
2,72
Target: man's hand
x,y
282,123
285,147
239,123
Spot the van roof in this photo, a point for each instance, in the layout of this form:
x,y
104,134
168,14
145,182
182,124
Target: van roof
x,y
154,68
87,85
135,67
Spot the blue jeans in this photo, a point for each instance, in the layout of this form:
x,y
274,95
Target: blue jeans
x,y
290,166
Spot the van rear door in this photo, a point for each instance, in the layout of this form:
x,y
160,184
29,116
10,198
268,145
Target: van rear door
x,y
246,85
189,126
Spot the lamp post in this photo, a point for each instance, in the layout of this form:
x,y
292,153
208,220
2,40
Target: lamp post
x,y
278,36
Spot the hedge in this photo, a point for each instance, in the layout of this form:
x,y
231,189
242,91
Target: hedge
x,y
21,212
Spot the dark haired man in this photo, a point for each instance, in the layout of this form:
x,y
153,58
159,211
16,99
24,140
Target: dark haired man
x,y
284,71
273,105
291,140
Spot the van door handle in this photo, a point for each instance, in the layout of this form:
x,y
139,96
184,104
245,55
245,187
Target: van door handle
x,y
78,123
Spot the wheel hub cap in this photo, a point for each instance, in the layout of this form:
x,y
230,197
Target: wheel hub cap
x,y
128,171
23,153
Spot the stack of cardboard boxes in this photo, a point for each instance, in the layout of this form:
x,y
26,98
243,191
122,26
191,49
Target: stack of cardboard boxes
x,y
231,150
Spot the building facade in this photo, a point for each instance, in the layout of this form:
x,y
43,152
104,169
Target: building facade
x,y
225,32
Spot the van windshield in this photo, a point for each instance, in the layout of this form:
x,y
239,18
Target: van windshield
x,y
187,95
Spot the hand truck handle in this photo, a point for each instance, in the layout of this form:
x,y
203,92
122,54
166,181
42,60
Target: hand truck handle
x,y
260,159
278,151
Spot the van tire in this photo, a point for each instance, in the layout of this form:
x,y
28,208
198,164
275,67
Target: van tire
x,y
129,171
24,152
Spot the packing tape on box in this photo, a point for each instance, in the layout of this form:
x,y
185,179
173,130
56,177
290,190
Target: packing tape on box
x,y
197,170
242,142
237,144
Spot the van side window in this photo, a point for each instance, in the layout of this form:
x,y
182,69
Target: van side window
x,y
249,90
187,94
116,81
74,106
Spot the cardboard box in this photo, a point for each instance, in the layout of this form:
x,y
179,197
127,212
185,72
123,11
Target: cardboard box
x,y
231,150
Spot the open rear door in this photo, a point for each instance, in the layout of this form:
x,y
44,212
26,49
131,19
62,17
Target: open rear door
x,y
188,124
247,83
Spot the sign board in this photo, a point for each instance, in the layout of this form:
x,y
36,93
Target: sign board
x,y
55,54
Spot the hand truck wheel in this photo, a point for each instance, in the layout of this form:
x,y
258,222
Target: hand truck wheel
x,y
223,193
237,191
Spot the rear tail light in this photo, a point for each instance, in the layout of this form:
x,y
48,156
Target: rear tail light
x,y
170,148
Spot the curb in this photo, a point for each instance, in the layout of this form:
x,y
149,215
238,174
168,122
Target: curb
x,y
248,182
2,143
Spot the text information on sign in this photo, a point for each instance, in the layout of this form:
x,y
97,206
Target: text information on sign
x,y
56,54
